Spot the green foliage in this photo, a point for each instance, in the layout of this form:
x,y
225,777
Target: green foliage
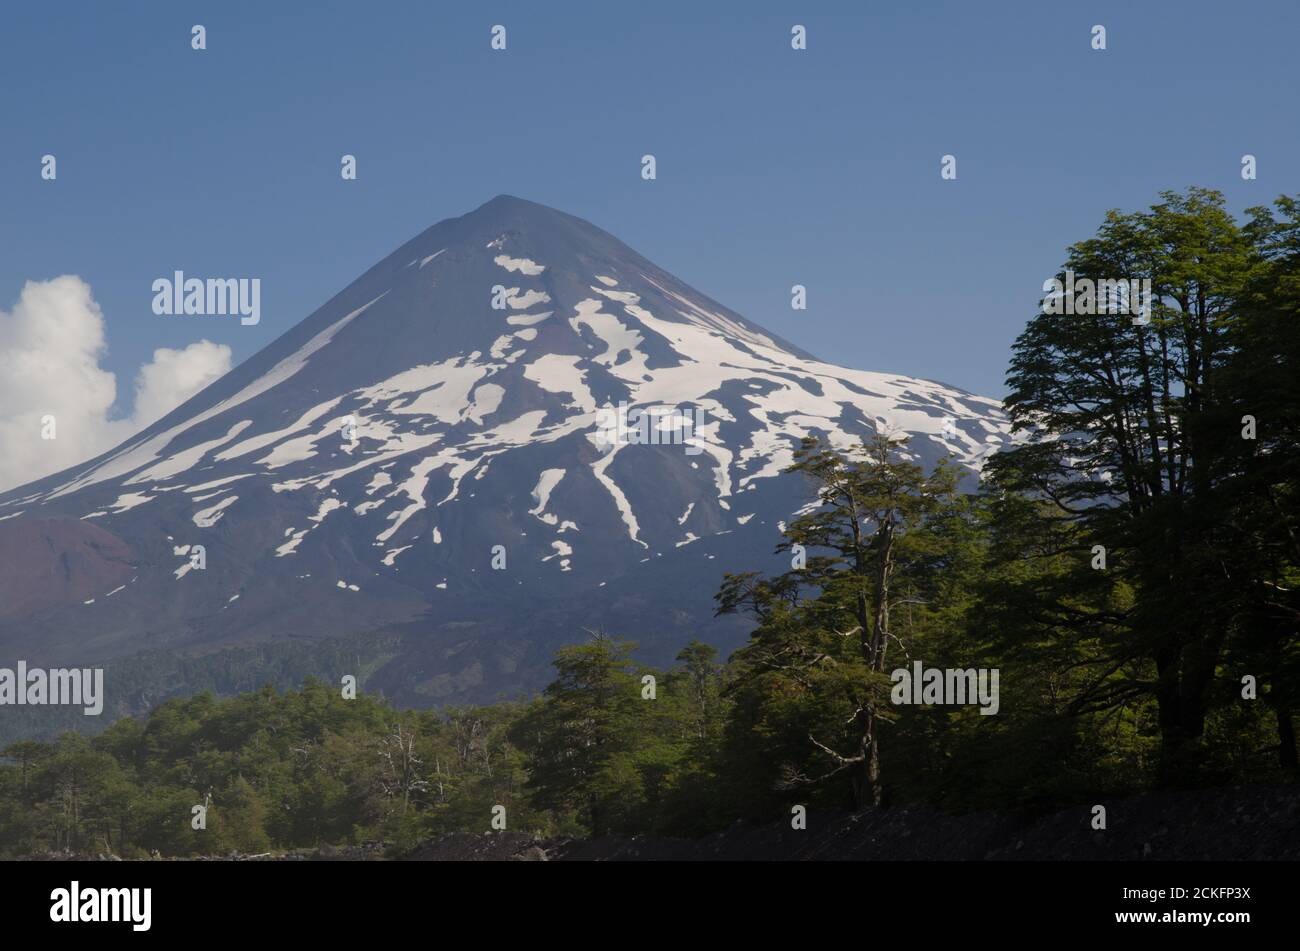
x,y
1134,442
1117,673
305,768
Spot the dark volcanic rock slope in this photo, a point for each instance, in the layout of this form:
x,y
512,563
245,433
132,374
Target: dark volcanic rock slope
x,y
357,475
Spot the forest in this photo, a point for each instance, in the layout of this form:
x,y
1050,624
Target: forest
x,y
1129,570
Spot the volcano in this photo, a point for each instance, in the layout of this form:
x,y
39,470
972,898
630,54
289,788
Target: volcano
x,y
424,457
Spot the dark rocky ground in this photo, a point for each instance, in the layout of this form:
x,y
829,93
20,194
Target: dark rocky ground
x,y
1249,823
1222,824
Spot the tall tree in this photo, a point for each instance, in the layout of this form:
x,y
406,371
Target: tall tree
x,y
579,739
1116,412
864,527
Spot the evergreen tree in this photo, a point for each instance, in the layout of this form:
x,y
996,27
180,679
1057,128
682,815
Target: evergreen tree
x,y
825,627
579,740
1122,418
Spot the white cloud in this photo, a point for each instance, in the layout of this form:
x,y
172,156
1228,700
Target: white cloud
x,y
174,376
50,348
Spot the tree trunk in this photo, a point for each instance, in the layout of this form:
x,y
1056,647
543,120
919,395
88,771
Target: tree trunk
x,y
1181,714
871,790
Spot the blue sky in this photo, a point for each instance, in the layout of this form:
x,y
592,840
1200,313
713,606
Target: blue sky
x,y
775,167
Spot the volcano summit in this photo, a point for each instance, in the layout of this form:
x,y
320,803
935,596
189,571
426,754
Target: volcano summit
x,y
425,457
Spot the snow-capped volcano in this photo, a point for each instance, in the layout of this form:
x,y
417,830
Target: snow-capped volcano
x,y
430,453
